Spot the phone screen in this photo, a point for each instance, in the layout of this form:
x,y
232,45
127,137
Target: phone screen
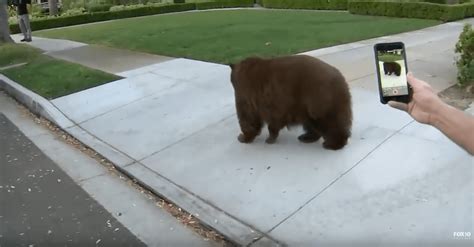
x,y
392,71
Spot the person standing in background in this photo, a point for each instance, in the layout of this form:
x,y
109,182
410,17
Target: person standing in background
x,y
24,19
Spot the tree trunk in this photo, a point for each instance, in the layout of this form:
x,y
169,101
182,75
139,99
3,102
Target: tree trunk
x,y
4,27
53,7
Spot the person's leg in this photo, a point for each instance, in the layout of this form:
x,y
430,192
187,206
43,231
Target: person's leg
x,y
26,21
22,27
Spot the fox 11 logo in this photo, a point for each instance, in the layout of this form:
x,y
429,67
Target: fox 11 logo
x,y
462,235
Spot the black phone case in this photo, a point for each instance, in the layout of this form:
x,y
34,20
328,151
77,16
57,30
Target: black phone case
x,y
386,46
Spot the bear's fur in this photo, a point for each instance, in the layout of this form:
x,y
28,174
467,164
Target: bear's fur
x,y
392,68
289,91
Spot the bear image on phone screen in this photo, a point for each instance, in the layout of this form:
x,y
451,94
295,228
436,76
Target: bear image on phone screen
x,y
392,72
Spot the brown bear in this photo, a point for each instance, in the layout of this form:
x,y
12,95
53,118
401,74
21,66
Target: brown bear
x,y
292,90
392,68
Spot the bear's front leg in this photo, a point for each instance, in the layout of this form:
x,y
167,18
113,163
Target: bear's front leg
x,y
249,121
249,131
245,138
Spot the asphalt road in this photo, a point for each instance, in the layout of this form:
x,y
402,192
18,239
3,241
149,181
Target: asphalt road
x,y
41,206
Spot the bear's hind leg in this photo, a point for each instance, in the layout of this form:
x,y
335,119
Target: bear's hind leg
x,y
336,131
311,133
335,140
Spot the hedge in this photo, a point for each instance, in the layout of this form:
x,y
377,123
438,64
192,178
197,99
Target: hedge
x,y
98,7
435,1
420,10
127,13
469,10
225,4
306,4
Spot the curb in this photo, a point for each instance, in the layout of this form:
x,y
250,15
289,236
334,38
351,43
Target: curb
x,y
35,103
209,215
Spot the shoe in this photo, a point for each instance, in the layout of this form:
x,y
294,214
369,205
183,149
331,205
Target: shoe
x,y
23,40
28,40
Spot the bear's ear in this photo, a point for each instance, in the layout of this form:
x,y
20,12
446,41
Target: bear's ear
x,y
232,66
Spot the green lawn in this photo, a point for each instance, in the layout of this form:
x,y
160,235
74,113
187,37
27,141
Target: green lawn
x,y
11,54
49,77
390,57
231,35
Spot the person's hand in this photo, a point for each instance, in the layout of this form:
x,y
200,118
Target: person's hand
x,y
424,103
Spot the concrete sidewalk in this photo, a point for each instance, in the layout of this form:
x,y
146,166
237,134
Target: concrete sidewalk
x,y
103,58
173,127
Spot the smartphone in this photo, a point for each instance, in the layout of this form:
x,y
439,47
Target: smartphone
x,y
391,64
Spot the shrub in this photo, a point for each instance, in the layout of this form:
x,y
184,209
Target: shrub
x,y
306,4
35,9
469,10
224,4
75,11
98,7
435,1
138,6
454,12
125,7
73,4
12,20
420,10
465,63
